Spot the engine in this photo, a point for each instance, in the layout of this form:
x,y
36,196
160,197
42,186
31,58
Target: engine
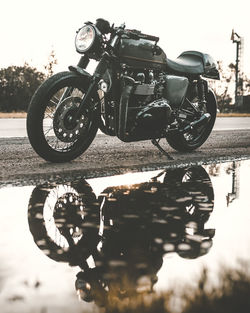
x,y
146,105
148,108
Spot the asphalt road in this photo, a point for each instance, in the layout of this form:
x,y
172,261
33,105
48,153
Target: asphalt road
x,y
107,155
16,127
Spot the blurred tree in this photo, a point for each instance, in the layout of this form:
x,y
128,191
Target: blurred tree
x,y
224,88
17,85
52,61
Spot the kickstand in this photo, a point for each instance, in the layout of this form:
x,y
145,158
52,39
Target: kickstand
x,y
156,143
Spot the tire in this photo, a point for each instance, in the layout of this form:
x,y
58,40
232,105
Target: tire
x,y
45,122
192,190
64,220
179,142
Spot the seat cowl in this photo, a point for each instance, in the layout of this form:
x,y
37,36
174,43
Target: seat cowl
x,y
194,63
186,64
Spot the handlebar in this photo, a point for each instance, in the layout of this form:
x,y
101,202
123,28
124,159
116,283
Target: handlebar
x,y
105,28
137,34
134,34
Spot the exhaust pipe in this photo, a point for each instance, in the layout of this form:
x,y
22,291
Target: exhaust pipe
x,y
204,119
123,108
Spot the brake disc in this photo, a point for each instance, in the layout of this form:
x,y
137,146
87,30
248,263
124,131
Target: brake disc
x,y
66,128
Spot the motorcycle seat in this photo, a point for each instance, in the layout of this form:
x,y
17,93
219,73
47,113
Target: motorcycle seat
x,y
187,63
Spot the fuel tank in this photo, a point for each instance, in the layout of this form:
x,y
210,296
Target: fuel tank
x,y
141,54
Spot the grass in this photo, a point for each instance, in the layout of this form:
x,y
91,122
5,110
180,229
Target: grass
x,y
230,295
233,114
13,115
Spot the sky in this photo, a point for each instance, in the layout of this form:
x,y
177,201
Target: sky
x,y
30,29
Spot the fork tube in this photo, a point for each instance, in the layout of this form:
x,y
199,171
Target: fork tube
x,y
99,72
83,62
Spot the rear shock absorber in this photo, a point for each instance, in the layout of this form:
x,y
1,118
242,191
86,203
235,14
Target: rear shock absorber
x,y
202,87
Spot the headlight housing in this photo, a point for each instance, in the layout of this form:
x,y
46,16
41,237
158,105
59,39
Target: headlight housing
x,y
85,38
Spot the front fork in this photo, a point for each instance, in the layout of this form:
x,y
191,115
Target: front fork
x,y
94,80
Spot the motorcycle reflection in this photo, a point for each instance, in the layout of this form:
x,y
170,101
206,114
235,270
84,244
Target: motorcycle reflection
x,y
119,239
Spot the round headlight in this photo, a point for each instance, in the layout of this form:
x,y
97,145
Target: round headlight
x,y
85,38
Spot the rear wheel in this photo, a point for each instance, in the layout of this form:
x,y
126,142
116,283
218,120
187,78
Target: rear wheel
x,y
52,130
193,139
192,190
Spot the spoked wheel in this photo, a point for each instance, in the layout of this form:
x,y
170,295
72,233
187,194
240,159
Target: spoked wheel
x,y
193,192
53,131
63,220
193,139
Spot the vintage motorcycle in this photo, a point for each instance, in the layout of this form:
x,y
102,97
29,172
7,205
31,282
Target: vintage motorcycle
x,y
120,238
136,93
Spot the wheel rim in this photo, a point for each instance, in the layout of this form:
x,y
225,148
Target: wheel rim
x,y
194,136
58,130
63,215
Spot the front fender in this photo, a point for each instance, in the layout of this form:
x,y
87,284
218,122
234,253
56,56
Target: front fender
x,y
80,71
85,76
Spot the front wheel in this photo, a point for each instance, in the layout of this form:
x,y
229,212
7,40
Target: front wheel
x,y
63,220
52,130
194,139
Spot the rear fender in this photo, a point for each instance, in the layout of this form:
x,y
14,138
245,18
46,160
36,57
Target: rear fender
x,y
212,101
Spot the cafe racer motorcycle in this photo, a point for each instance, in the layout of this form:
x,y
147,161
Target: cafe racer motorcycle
x,y
135,93
119,238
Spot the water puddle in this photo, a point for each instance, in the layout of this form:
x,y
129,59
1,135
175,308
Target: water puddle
x,y
105,240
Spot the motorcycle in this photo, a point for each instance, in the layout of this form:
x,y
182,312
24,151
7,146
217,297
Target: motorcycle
x,y
126,231
135,93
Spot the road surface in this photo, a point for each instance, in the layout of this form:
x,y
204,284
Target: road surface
x,y
107,155
16,127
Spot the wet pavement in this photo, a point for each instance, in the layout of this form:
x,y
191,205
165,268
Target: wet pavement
x,y
78,245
